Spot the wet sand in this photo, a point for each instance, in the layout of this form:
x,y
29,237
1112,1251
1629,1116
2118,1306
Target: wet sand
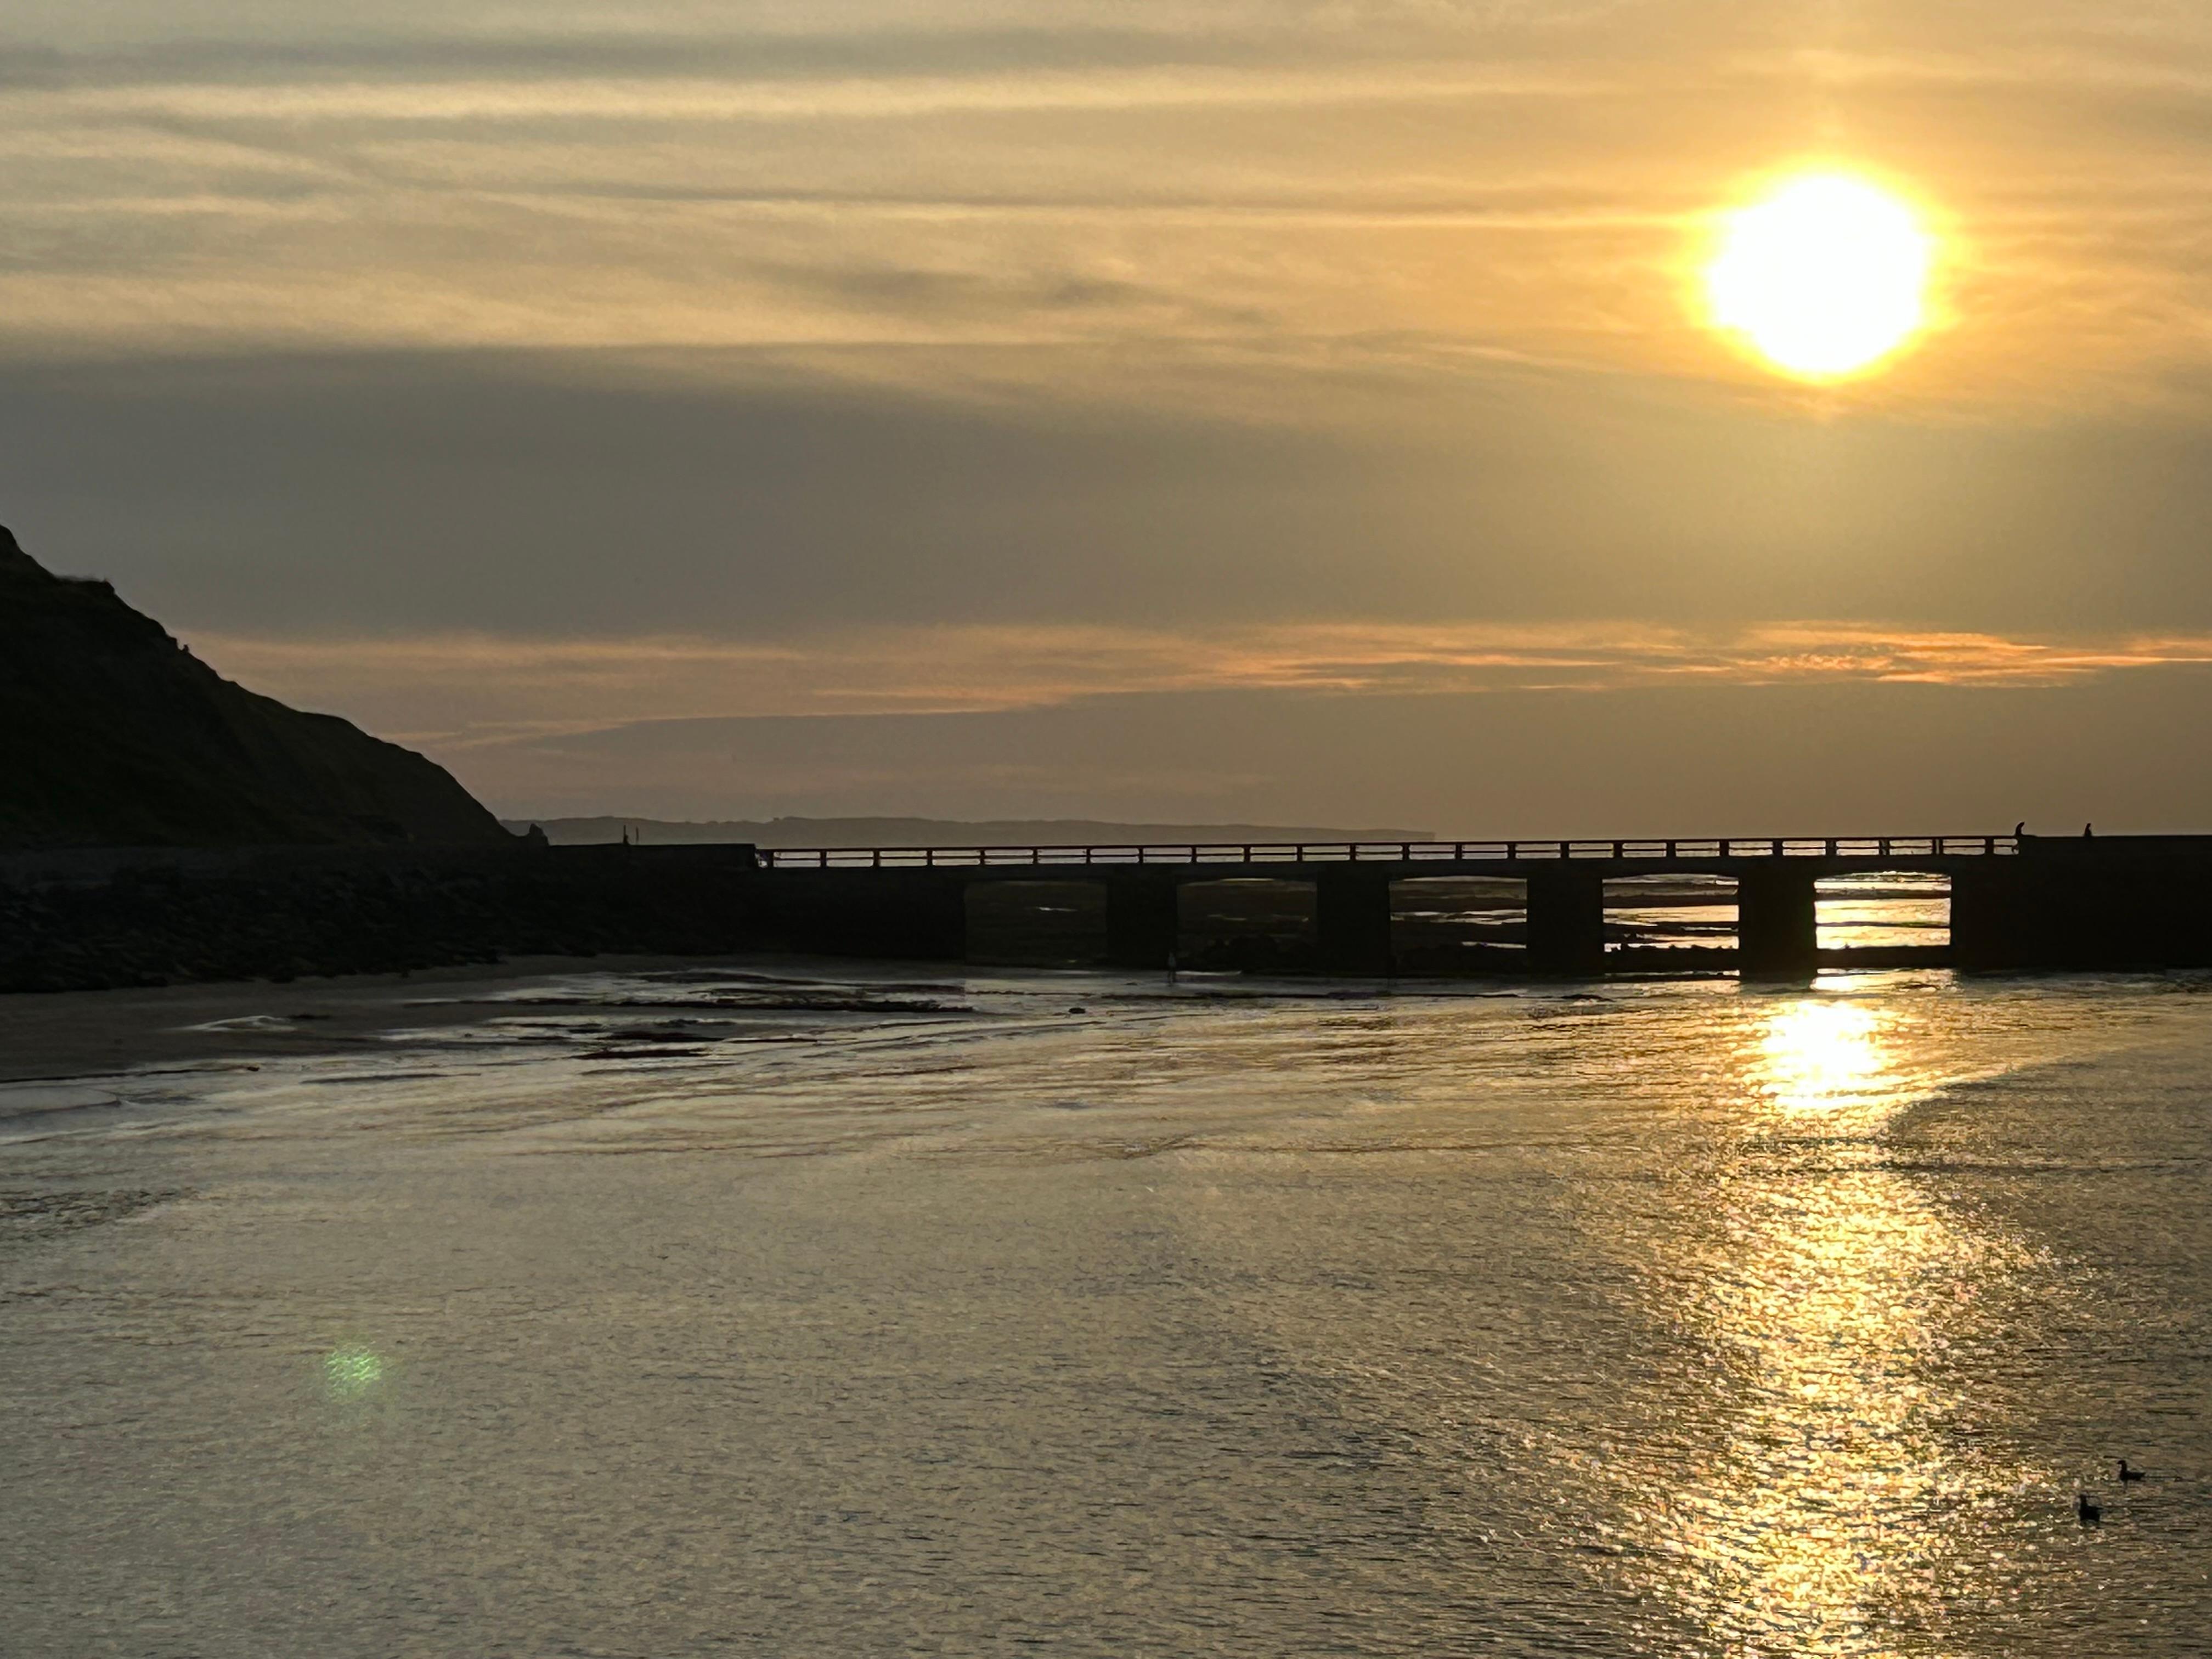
x,y
82,1034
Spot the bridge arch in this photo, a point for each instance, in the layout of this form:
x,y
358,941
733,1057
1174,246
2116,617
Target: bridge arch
x,y
1051,923
1878,918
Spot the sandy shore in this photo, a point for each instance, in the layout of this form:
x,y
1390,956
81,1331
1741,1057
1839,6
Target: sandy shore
x,y
92,1033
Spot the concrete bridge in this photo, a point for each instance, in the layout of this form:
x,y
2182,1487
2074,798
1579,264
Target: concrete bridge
x,y
2024,902
78,918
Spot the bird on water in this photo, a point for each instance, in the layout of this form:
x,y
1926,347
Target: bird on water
x,y
2127,1474
2090,1514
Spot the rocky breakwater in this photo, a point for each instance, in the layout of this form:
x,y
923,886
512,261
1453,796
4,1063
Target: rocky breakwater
x,y
92,921
159,824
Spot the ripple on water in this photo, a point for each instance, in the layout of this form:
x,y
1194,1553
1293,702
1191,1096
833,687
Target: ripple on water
x,y
1682,1321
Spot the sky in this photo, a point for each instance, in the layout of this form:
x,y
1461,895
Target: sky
x,y
1171,409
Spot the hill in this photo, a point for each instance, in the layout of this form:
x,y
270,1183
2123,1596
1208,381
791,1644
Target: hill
x,y
112,734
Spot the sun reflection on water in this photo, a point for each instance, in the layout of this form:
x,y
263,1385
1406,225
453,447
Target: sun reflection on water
x,y
1813,1525
1826,1516
1823,1056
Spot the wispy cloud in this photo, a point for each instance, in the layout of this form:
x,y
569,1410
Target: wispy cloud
x,y
673,99
1497,178
456,692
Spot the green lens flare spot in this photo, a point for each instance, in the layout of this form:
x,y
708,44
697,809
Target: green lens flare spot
x,y
349,1373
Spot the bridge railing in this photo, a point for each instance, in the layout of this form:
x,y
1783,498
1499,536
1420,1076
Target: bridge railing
x,y
1658,852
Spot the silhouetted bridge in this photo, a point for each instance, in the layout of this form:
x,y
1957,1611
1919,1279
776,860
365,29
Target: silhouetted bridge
x,y
80,917
2028,902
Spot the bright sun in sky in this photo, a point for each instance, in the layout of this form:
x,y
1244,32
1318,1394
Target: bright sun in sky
x,y
1825,276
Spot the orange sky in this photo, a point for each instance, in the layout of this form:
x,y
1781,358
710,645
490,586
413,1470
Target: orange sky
x,y
512,376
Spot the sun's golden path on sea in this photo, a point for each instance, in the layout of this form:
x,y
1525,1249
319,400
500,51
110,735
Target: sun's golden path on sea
x,y
1823,277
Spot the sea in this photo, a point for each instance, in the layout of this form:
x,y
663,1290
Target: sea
x,y
806,1309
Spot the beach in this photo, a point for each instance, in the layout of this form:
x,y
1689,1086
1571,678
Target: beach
x,y
69,1034
825,1308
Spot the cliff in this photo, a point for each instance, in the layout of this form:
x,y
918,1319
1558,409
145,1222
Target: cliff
x,y
112,734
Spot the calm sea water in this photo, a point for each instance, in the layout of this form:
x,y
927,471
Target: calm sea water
x,y
707,1314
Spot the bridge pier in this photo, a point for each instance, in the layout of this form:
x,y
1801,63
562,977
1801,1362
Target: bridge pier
x,y
1351,922
1993,917
1777,923
905,915
2084,905
1144,921
1566,922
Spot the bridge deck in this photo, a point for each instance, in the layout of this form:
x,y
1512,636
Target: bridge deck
x,y
2014,902
1717,856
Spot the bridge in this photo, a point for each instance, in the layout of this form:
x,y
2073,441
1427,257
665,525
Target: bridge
x,y
77,918
2016,902
1468,857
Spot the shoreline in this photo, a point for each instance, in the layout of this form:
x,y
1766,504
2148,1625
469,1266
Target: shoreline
x,y
52,1037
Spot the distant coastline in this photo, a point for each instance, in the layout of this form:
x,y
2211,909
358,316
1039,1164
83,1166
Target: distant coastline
x,y
938,832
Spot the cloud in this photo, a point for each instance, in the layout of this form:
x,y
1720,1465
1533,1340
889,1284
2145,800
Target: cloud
x,y
901,42
446,55
1811,757
462,691
1497,178
641,372
764,498
692,97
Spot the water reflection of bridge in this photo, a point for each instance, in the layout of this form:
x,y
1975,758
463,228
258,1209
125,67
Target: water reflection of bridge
x,y
2014,902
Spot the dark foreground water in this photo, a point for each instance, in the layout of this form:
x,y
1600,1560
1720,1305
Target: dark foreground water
x,y
943,1319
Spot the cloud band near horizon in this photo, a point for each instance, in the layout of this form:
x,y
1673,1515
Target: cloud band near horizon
x,y
458,691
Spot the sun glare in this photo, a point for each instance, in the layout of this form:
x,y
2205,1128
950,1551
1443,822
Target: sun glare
x,y
1820,1055
1826,276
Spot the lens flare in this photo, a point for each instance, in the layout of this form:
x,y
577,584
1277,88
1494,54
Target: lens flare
x,y
1825,277
350,1372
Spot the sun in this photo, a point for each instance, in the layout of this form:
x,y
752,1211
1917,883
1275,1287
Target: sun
x,y
1826,276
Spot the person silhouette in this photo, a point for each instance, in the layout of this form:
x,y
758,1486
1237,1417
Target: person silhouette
x,y
2089,830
